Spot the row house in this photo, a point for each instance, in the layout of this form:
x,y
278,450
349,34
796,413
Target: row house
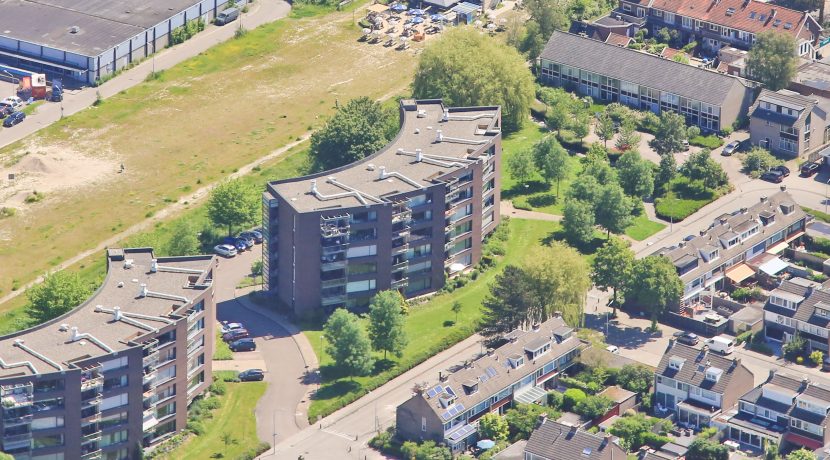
x,y
557,441
729,248
696,384
519,371
788,411
788,123
612,73
719,23
799,306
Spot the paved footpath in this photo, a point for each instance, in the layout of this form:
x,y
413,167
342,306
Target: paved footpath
x,y
261,12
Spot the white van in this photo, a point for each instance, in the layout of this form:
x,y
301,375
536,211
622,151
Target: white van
x,y
229,15
722,344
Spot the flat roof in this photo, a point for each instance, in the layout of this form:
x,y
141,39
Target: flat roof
x,y
170,291
102,24
464,132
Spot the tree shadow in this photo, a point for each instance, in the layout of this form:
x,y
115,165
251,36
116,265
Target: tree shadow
x,y
336,389
382,365
586,249
542,200
449,323
527,188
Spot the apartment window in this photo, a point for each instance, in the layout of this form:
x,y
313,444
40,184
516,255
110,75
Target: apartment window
x,y
788,145
116,419
48,404
419,284
626,7
363,234
362,251
46,423
420,199
363,268
165,410
463,228
419,267
668,17
113,438
194,363
166,374
114,364
422,216
658,13
167,392
423,423
193,329
687,22
115,401
462,245
57,456
360,286
367,216
488,219
52,440
419,251
165,428
49,385
194,382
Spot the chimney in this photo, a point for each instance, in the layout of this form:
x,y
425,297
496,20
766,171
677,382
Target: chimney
x,y
440,376
73,334
382,174
314,186
535,327
116,313
154,265
446,116
419,155
763,198
783,188
143,292
438,136
543,417
772,14
557,314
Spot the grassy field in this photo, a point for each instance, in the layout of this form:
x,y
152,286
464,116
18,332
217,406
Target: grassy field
x,y
680,202
430,326
643,228
820,215
276,83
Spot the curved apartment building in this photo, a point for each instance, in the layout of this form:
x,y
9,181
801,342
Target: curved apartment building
x,y
403,218
117,373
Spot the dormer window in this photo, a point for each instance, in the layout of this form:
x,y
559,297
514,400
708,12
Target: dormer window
x,y
785,300
676,363
713,374
713,255
470,387
516,361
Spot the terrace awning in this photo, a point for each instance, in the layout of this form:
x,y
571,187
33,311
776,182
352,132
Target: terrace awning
x,y
739,272
530,395
773,267
777,248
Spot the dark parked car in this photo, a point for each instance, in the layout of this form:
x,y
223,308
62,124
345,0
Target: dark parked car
x,y
256,235
772,176
809,169
688,338
243,345
785,171
238,243
5,111
13,119
251,375
235,335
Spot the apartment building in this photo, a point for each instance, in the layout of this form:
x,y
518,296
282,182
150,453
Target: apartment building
x,y
557,441
520,371
403,218
799,306
697,383
612,73
787,410
118,372
738,245
788,123
718,23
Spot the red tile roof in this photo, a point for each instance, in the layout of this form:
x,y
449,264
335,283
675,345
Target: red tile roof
x,y
738,14
617,39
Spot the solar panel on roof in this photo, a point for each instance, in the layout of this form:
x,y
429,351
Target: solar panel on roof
x,y
484,378
445,416
449,390
453,410
460,407
491,371
431,393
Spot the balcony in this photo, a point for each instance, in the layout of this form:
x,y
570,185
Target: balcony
x,y
403,265
334,282
400,249
17,400
90,453
327,265
17,442
93,434
401,283
92,383
333,299
93,401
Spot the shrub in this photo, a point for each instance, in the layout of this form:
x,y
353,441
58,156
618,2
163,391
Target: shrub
x,y
726,131
218,388
555,399
757,161
196,427
745,294
799,360
709,142
384,442
572,397
744,337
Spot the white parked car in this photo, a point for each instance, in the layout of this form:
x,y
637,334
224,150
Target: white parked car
x,y
225,250
613,349
230,327
13,102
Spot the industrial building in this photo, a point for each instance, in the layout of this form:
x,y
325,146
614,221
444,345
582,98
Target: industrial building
x,y
402,218
86,40
117,373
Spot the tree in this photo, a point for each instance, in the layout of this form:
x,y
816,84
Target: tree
x,y
682,58
347,343
183,241
671,132
612,267
233,203
771,451
507,304
545,17
628,137
5,456
358,128
636,175
521,165
493,74
692,132
758,160
802,454
522,419
572,397
593,407
558,278
57,294
580,124
702,449
456,308
578,222
604,128
817,357
666,172
657,285
614,209
551,159
635,377
386,323
586,188
636,430
427,450
600,170
772,59
700,166
493,426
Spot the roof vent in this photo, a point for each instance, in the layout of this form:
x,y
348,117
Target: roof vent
x,y
422,113
116,313
143,292
438,136
154,265
370,167
314,186
64,327
419,155
74,29
120,284
128,264
382,174
446,116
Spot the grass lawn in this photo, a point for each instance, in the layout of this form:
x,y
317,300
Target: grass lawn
x,y
235,417
681,202
429,325
643,228
536,195
818,214
223,351
174,135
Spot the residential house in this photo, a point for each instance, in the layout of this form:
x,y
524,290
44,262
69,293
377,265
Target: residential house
x,y
719,23
696,384
622,398
612,73
799,305
722,252
520,371
556,441
788,123
786,410
607,29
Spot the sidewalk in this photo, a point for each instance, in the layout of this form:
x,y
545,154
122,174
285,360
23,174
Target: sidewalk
x,y
261,12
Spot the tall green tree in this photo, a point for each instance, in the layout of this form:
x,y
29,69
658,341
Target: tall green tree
x,y
671,132
551,159
628,137
600,170
772,59
578,222
655,285
386,323
593,406
604,128
635,377
612,267
666,172
506,305
348,343
559,279
636,175
358,128
585,188
802,454
700,166
521,165
57,294
183,241
493,426
466,68
614,210
522,420
545,17
703,449
233,203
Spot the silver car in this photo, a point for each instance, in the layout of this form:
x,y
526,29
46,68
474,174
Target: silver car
x,y
730,148
225,250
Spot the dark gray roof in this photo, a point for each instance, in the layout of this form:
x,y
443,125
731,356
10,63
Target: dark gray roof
x,y
641,68
810,388
813,294
555,441
693,370
786,99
